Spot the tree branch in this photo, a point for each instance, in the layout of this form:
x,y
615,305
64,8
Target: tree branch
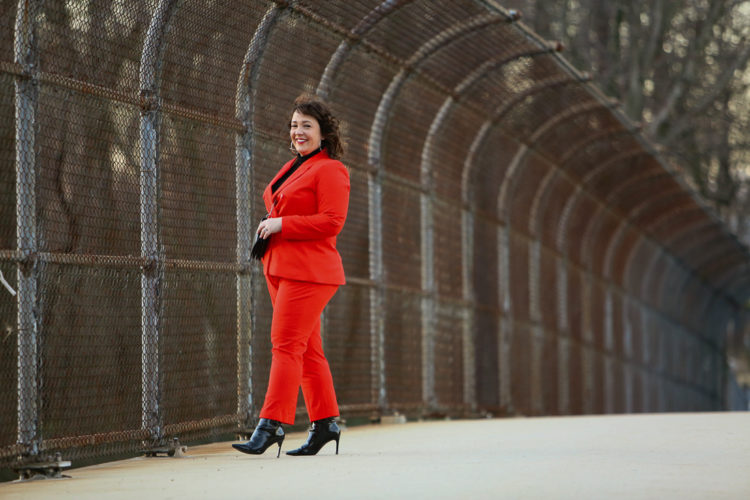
x,y
717,90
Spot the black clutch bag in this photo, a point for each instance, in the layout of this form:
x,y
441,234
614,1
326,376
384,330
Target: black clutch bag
x,y
260,245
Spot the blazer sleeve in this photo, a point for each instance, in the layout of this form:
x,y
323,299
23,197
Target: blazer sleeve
x,y
332,192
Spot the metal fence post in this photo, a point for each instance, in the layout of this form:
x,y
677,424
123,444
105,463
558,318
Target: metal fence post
x,y
153,271
377,292
26,100
429,286
245,111
428,302
375,210
377,264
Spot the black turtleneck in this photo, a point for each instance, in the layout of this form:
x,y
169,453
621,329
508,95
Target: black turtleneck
x,y
297,162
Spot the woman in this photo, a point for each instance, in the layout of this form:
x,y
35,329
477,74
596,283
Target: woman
x,y
307,201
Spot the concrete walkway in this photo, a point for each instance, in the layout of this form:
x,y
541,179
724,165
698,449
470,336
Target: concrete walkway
x,y
659,456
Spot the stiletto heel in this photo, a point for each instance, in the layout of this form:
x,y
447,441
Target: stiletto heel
x,y
321,432
265,434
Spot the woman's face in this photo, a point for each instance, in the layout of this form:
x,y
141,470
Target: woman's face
x,y
305,133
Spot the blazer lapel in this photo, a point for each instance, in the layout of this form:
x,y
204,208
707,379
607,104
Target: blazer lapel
x,y
267,194
286,167
301,171
269,197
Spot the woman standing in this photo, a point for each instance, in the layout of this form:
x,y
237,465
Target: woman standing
x,y
307,201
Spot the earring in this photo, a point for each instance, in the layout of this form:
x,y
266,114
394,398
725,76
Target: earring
x,y
291,146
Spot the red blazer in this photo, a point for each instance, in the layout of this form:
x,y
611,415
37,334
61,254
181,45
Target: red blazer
x,y
312,204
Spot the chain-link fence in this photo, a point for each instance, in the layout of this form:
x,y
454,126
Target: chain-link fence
x,y
513,245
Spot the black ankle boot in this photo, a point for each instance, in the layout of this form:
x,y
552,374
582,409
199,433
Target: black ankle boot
x,y
321,432
265,434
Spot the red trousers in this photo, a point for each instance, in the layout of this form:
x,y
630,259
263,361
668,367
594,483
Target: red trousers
x,y
297,354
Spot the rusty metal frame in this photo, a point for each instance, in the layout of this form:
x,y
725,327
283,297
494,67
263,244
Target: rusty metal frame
x,y
738,282
690,331
29,316
509,175
375,212
549,83
569,114
467,228
355,36
534,228
649,272
616,237
463,87
541,196
245,181
602,135
624,225
151,249
596,221
381,118
380,122
646,284
710,263
620,157
717,286
562,228
360,30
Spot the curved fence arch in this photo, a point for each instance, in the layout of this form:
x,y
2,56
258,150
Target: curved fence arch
x,y
513,245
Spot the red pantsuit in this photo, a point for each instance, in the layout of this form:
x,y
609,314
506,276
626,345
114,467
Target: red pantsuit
x,y
303,271
298,351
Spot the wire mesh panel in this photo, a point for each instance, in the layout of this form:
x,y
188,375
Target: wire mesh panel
x,y
402,256
575,385
447,220
549,287
354,238
487,314
197,191
406,124
449,361
513,245
355,107
417,22
94,42
88,175
282,77
521,347
7,25
519,276
348,347
203,54
403,359
92,316
448,157
8,363
7,156
260,347
198,348
8,302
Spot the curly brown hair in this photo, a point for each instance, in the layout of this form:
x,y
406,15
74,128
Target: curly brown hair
x,y
330,128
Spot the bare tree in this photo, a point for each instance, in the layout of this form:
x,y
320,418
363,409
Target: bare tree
x,y
680,67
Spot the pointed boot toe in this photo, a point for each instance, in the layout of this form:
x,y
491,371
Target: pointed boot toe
x,y
267,433
321,432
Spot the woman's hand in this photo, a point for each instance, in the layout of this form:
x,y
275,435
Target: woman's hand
x,y
269,226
